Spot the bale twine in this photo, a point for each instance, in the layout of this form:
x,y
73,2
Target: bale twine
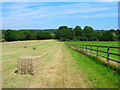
x,y
28,65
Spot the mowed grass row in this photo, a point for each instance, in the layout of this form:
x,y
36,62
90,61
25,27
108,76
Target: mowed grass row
x,y
16,50
99,75
61,58
11,51
100,43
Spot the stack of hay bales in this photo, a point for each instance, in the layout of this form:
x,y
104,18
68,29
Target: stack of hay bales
x,y
28,65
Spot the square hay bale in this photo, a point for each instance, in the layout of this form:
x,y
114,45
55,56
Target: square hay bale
x,y
28,65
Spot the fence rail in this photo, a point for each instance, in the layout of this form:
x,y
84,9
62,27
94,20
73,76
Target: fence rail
x,y
85,48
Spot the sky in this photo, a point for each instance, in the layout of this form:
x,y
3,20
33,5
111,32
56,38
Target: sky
x,y
59,0
44,15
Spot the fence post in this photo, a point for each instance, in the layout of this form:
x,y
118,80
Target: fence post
x,y
108,54
82,47
91,49
86,47
97,50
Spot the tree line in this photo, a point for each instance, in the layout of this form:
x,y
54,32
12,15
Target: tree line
x,y
86,34
63,33
15,35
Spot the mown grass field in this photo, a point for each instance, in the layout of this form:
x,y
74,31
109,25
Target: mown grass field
x,y
60,67
100,43
99,75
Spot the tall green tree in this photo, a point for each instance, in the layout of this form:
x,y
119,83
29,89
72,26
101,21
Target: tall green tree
x,y
11,35
78,31
108,36
89,33
64,33
43,35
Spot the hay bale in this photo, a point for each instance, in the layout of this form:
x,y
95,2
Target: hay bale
x,y
25,46
34,48
28,65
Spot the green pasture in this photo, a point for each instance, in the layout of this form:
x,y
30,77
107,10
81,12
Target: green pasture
x,y
100,43
99,75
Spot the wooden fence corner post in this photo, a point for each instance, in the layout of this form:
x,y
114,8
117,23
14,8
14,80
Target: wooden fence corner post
x,y
108,54
86,48
91,49
97,50
82,47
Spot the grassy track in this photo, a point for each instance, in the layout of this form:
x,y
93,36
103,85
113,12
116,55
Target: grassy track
x,y
101,43
100,75
57,67
60,67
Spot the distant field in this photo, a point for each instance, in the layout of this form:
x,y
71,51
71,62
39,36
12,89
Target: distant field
x,y
101,43
60,67
57,69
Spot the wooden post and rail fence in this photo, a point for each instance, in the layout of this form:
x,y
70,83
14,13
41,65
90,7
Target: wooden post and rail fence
x,y
85,48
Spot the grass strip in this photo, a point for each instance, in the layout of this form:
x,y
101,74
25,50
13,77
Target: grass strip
x,y
99,75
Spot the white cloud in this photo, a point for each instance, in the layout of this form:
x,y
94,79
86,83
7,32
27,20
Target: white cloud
x,y
107,0
59,0
75,5
100,15
45,13
19,10
21,14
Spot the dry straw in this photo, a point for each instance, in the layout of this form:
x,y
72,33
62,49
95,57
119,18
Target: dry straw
x,y
28,65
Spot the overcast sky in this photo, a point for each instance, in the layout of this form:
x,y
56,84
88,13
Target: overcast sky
x,y
42,15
